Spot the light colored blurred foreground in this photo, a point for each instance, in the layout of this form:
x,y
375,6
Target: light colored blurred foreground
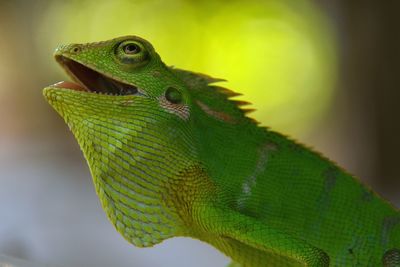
x,y
7,261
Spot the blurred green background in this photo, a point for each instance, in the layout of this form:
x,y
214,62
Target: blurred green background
x,y
324,72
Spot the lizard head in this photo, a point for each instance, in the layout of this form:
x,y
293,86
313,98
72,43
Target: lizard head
x,y
129,113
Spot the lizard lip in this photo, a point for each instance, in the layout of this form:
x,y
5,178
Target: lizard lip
x,y
89,80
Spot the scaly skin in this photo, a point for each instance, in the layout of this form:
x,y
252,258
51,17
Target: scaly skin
x,y
172,155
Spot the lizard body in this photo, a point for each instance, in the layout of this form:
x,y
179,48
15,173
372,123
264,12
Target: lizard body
x,y
171,154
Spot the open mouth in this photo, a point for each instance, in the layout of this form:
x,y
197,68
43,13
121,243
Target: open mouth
x,y
89,80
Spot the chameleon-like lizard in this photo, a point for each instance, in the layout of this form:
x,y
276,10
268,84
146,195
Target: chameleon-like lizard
x,y
172,154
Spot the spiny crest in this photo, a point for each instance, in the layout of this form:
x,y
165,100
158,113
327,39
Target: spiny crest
x,y
213,99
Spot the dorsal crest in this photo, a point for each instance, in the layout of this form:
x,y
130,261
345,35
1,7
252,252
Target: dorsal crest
x,y
215,100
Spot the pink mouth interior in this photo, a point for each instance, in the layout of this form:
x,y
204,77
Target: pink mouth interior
x,y
89,80
70,85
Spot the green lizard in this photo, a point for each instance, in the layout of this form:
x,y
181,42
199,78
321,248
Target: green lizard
x,y
171,154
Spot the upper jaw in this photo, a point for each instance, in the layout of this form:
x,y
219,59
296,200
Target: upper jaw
x,y
89,80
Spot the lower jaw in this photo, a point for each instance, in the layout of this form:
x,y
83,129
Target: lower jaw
x,y
70,85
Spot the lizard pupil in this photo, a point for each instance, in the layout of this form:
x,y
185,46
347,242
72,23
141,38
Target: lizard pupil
x,y
131,49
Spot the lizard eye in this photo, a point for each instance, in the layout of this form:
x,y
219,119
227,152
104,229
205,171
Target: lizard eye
x,y
131,48
173,95
131,52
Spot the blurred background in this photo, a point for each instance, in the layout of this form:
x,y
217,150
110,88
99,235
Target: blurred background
x,y
324,72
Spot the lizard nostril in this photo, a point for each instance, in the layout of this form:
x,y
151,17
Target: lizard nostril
x,y
76,49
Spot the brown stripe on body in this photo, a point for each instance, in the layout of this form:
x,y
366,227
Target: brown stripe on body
x,y
216,114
